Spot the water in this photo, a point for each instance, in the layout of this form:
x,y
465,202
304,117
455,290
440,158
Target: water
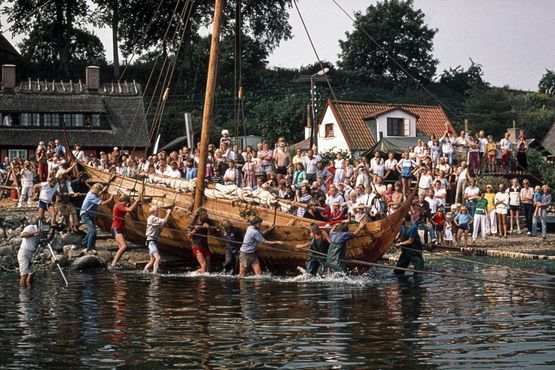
x,y
130,320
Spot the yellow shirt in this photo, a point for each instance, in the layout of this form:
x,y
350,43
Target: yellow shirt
x,y
490,198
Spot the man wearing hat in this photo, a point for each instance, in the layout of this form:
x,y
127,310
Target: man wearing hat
x,y
253,237
29,243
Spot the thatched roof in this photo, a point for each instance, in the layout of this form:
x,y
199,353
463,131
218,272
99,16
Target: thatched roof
x,y
122,116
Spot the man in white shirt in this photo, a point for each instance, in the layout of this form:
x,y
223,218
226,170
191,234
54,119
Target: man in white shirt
x,y
425,183
173,171
78,153
309,163
506,144
334,196
461,147
27,173
29,243
47,191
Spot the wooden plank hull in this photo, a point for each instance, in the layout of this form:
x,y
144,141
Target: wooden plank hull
x,y
370,246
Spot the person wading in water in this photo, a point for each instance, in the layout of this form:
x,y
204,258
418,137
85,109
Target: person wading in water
x,y
199,237
253,237
154,226
118,224
319,243
412,251
339,236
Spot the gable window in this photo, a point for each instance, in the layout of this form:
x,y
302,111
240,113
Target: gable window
x,y
396,127
328,130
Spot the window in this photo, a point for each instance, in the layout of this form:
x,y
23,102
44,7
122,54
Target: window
x,y
25,119
17,153
67,120
96,120
397,127
55,119
36,119
328,130
77,120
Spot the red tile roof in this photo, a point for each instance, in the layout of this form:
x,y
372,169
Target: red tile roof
x,y
350,116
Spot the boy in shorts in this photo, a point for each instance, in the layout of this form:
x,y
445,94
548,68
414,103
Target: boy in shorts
x,y
153,229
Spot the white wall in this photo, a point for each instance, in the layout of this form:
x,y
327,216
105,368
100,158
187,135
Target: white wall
x,y
325,144
382,122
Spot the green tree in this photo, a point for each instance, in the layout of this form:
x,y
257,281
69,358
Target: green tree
x,y
390,40
460,80
547,83
55,35
489,109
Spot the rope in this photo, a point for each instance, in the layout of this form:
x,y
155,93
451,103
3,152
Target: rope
x,y
358,262
436,273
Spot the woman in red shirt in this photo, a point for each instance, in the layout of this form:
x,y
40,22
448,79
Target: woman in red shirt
x,y
118,224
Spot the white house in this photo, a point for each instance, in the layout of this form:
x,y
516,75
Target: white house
x,y
357,126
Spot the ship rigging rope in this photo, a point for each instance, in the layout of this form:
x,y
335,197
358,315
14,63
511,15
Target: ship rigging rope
x,y
184,22
145,89
140,44
518,283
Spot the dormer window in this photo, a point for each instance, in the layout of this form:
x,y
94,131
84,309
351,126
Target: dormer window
x,y
397,127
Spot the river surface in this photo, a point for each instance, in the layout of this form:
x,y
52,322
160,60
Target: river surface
x,y
374,321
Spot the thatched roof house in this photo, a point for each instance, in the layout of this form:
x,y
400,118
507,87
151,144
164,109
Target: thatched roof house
x,y
96,116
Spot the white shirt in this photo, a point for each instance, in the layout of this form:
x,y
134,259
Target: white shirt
x,y
440,191
504,198
172,173
29,243
471,191
506,144
47,192
362,179
26,178
378,169
483,142
79,154
447,145
425,181
310,164
390,164
514,196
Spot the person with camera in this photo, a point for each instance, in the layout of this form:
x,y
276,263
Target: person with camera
x,y
29,244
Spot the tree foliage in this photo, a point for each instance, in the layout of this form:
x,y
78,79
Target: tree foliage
x,y
462,81
390,40
547,83
56,34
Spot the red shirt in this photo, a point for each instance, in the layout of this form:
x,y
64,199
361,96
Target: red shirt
x,y
119,216
438,219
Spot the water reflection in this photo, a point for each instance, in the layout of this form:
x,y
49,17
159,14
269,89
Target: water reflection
x,y
128,320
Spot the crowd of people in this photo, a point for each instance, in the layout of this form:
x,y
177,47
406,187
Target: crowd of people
x,y
449,208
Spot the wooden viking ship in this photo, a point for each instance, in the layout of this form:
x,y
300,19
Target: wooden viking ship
x,y
370,245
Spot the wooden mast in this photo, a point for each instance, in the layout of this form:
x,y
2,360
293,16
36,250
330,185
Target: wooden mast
x,y
208,102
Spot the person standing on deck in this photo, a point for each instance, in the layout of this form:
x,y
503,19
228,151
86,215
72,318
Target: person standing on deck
x,y
411,247
253,237
118,224
199,228
319,243
27,173
153,229
339,236
527,200
88,214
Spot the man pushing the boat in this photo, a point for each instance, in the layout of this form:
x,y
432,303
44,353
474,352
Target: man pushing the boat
x,y
253,237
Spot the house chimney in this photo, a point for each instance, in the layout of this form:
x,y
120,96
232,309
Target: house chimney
x,y
93,78
8,76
